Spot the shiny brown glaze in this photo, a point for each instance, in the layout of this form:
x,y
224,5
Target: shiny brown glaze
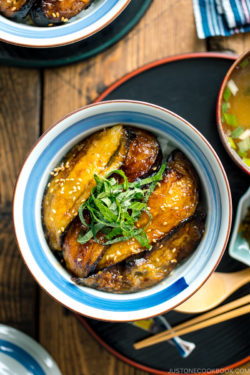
x,y
144,155
173,201
15,9
57,11
78,256
151,267
73,180
80,259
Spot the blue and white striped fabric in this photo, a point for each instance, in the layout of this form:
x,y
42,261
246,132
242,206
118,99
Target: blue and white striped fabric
x,y
221,17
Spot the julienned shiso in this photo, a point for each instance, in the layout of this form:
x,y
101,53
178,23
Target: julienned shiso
x,y
114,208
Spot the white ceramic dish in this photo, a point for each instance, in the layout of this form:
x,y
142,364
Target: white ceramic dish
x,y
239,248
21,355
88,22
187,277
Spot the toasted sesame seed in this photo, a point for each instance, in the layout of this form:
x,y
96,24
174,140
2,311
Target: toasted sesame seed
x,y
65,20
57,14
161,246
173,261
48,184
79,259
53,15
62,229
53,210
13,9
50,24
165,223
154,169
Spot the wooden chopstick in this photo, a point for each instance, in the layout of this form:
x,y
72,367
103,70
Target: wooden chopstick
x,y
219,310
213,317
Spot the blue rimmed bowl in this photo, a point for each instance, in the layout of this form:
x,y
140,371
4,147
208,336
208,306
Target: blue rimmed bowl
x,y
86,23
174,132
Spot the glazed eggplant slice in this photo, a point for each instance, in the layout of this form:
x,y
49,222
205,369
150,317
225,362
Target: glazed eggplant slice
x,y
142,146
144,155
49,12
145,271
73,180
173,201
15,9
80,259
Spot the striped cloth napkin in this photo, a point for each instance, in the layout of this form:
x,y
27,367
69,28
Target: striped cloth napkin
x,y
221,17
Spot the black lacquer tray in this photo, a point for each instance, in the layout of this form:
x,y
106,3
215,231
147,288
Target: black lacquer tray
x,y
97,43
188,85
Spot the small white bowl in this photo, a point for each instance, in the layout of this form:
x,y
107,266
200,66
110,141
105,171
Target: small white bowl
x,y
187,277
88,22
20,354
239,248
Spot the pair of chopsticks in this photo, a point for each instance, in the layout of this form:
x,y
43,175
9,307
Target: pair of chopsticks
x,y
231,310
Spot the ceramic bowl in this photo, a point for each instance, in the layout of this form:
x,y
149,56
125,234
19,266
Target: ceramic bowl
x,y
222,100
175,132
239,248
22,355
88,22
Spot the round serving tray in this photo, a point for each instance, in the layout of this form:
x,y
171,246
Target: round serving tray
x,y
188,85
97,43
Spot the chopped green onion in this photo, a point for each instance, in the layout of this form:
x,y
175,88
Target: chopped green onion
x,y
224,107
231,119
242,154
231,142
244,63
226,94
246,161
237,132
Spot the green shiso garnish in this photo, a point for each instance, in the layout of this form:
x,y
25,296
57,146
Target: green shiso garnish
x,y
114,208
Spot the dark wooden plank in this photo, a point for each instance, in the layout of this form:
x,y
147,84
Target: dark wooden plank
x,y
19,123
166,29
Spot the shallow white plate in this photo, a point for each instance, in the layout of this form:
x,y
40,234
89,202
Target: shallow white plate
x,y
239,248
21,355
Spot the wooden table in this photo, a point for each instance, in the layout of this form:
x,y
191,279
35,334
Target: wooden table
x,y
31,100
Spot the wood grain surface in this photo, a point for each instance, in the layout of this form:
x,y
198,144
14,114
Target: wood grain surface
x,y
19,123
33,100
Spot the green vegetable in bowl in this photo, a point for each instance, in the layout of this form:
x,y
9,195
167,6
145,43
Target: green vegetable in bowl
x,y
115,208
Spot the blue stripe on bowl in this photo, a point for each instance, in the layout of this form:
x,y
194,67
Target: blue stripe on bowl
x,y
32,32
21,356
31,231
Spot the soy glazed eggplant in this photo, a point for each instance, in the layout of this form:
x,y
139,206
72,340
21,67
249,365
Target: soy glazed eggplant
x,y
15,9
120,218
43,12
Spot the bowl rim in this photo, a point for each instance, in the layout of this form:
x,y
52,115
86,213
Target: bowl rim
x,y
63,40
220,166
234,156
232,250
